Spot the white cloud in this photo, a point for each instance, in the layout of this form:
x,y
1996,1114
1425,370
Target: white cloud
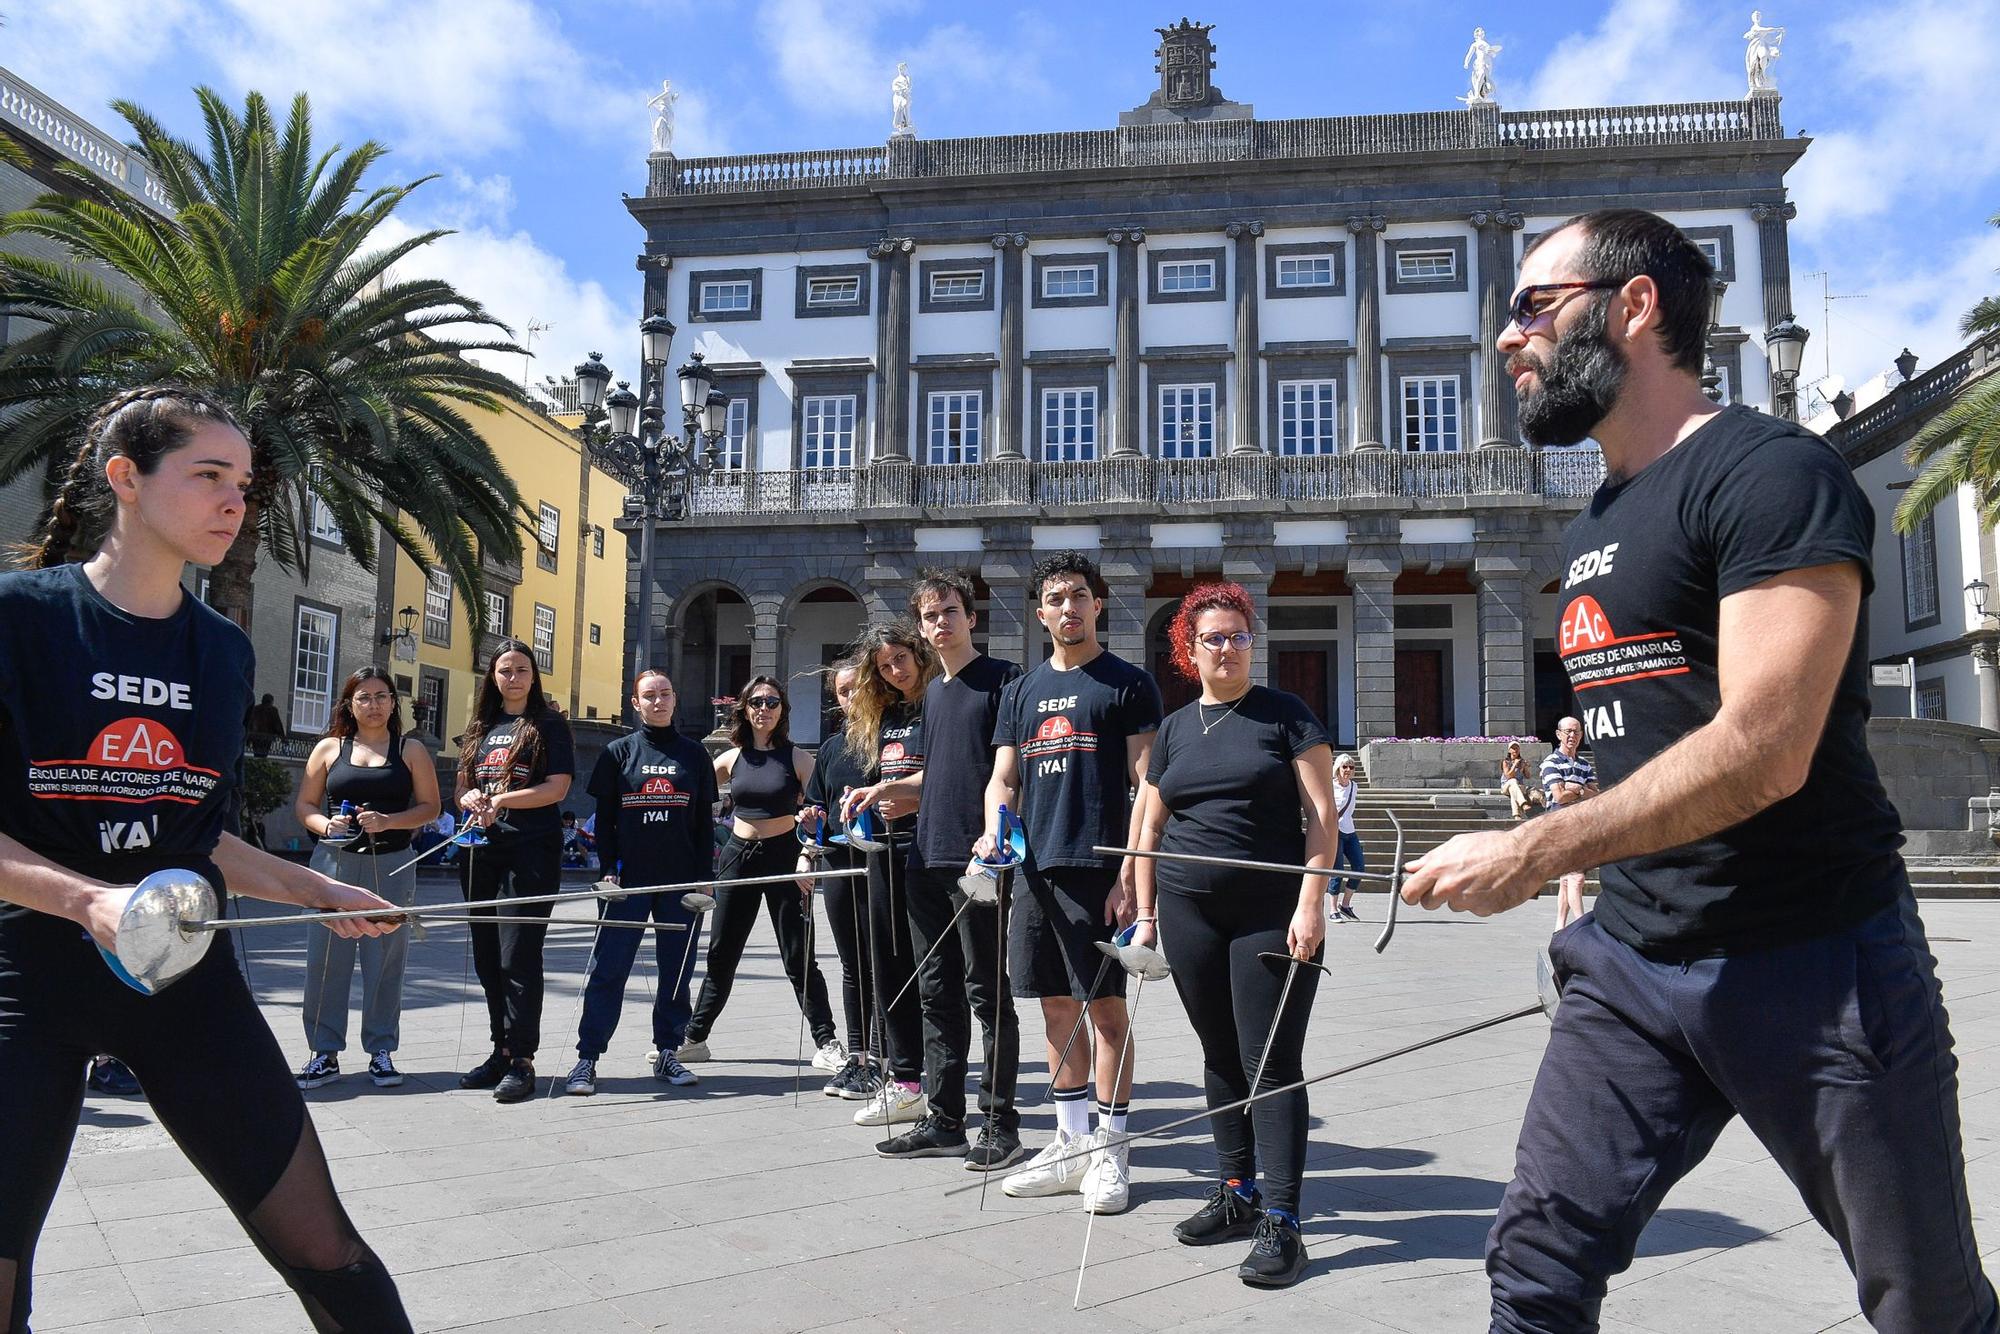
x,y
60,48
1905,305
1642,51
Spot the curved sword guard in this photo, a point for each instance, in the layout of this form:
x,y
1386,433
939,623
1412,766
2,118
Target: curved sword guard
x,y
1277,956
1547,985
153,947
865,832
697,902
1141,961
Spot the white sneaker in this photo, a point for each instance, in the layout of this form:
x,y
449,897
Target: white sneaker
x,y
830,1057
1107,1186
1058,1169
891,1105
690,1052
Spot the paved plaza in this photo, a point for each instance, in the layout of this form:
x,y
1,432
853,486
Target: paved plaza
x,y
727,1207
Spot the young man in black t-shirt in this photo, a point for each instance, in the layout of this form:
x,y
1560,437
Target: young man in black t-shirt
x,y
1071,741
1756,950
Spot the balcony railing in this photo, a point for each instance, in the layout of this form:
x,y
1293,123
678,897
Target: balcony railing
x,y
1186,142
1301,484
50,123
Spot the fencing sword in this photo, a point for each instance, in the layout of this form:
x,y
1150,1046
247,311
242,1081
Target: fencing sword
x,y
1284,994
981,886
1142,962
996,878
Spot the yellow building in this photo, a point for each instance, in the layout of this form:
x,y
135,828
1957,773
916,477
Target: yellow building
x,y
566,597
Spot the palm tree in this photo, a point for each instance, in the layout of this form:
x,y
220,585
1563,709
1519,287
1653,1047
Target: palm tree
x,y
1961,446
268,288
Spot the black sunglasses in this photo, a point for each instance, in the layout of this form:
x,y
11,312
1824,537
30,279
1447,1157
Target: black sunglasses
x,y
763,702
1524,313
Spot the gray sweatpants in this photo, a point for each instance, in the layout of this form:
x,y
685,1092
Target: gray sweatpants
x,y
330,958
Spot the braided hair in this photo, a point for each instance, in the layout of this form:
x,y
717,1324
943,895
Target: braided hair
x,y
144,425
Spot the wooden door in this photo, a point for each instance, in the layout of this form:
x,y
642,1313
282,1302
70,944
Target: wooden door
x,y
1419,692
1303,672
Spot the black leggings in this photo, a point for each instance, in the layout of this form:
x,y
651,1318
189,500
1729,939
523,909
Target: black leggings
x,y
729,931
219,1085
1230,995
507,956
895,960
846,914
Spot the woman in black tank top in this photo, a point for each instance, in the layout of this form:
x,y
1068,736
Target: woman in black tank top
x,y
764,774
364,761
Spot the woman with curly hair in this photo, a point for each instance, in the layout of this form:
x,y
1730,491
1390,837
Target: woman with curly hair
x,y
1242,771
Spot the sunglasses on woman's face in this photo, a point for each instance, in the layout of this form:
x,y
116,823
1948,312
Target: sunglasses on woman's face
x,y
762,702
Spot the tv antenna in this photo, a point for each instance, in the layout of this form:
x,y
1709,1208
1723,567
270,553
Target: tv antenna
x,y
535,326
1826,299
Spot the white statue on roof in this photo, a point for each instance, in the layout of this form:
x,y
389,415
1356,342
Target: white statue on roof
x,y
1479,59
663,124
1761,53
899,98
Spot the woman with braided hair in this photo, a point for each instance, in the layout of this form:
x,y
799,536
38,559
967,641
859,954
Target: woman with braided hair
x,y
121,728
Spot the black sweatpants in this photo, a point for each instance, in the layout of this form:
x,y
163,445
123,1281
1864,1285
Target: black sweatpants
x,y
895,959
846,903
1230,995
610,967
965,971
219,1084
1837,1055
734,916
507,955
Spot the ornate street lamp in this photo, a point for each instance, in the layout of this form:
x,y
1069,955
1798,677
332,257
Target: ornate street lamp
x,y
1785,347
1975,596
1711,374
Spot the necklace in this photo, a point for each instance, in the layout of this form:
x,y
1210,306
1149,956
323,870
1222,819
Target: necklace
x,y
1202,713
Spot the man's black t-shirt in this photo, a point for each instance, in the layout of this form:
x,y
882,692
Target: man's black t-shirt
x,y
899,751
959,715
1232,792
1070,729
655,793
121,736
1743,499
499,769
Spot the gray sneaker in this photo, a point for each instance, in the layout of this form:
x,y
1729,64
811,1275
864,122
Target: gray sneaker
x,y
691,1052
582,1081
669,1068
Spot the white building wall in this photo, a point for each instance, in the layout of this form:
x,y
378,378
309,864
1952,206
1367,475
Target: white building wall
x,y
1890,639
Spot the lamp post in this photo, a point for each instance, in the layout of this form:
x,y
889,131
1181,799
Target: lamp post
x,y
1985,654
1711,374
406,633
1785,348
630,440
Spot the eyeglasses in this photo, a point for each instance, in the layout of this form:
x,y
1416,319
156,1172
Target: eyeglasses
x,y
1526,314
1215,643
374,699
763,702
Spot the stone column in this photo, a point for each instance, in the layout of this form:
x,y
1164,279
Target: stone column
x,y
1367,387
1496,229
1501,584
892,564
1774,258
1125,242
1126,558
1007,415
766,628
1986,666
1374,559
892,358
1245,439
1008,558
1249,558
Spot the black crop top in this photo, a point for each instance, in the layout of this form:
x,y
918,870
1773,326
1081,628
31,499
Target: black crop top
x,y
387,788
764,784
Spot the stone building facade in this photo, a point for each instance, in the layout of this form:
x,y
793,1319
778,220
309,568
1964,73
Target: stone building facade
x,y
1197,345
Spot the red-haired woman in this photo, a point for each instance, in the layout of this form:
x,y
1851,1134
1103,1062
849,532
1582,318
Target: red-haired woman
x,y
1242,771
121,728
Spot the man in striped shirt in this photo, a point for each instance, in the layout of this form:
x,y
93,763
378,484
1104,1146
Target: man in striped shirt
x,y
1568,778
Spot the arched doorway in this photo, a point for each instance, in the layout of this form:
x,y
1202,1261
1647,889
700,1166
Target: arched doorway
x,y
715,656
819,629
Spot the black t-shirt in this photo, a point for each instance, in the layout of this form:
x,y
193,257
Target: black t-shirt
x,y
655,795
899,751
835,770
1743,499
498,769
121,736
959,716
1232,792
1070,729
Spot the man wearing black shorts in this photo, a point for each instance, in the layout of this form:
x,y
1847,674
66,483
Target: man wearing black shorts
x,y
1072,740
1756,950
961,707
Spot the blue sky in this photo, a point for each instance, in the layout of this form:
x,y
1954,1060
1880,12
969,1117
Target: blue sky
x,y
532,113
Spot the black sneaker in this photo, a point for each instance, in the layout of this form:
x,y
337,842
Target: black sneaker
x,y
323,1068
518,1084
1277,1256
1226,1217
996,1147
382,1069
486,1074
932,1137
582,1081
112,1077
864,1084
843,1078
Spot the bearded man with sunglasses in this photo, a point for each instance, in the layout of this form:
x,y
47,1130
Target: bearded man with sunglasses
x,y
1755,950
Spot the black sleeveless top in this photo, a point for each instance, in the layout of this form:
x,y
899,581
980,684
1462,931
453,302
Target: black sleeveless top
x,y
387,789
765,783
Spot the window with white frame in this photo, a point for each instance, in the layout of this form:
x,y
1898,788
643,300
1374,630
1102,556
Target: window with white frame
x,y
722,297
1711,249
954,418
1070,280
827,440
1430,413
499,613
1426,266
437,607
545,637
958,285
1308,416
313,640
597,540
320,522
1187,421
430,705
1187,275
548,532
1305,271
735,434
841,290
1069,424
1920,581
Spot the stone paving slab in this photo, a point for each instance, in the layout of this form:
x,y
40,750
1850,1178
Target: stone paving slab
x,y
735,1207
